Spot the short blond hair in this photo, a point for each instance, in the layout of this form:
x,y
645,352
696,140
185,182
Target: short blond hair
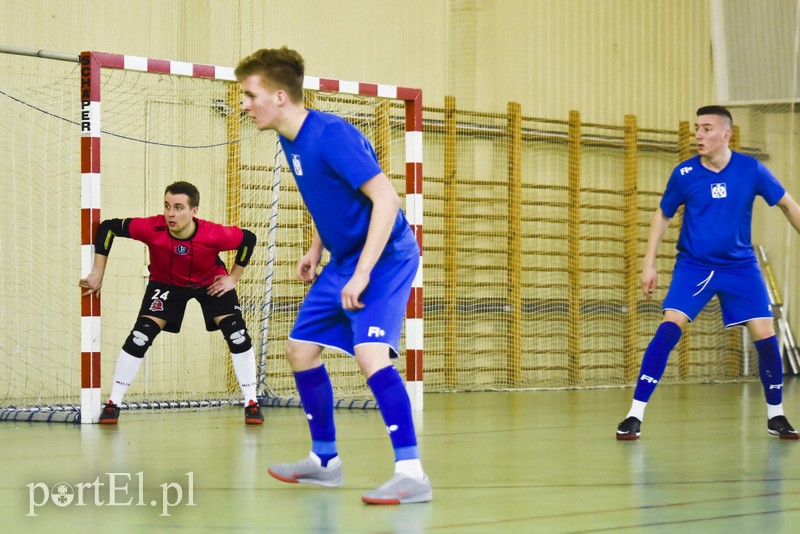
x,y
279,68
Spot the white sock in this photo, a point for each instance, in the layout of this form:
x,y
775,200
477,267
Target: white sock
x,y
774,410
637,410
244,365
410,468
124,374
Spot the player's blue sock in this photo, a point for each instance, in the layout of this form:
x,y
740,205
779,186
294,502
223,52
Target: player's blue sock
x,y
316,394
395,406
770,369
655,359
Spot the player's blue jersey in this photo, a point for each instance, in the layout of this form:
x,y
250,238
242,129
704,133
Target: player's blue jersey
x,y
330,160
718,208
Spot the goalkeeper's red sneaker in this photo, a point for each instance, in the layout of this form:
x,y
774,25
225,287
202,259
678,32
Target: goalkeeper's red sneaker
x,y
252,414
779,426
629,429
110,414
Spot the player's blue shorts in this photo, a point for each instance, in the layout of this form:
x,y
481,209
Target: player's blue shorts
x,y
741,292
323,321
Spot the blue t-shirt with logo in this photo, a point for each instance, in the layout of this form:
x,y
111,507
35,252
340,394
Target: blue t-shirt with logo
x,y
330,159
718,209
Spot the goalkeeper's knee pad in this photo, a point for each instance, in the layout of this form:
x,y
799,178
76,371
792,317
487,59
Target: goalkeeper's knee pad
x,y
141,337
235,331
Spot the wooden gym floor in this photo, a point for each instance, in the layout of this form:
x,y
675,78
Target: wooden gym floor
x,y
536,461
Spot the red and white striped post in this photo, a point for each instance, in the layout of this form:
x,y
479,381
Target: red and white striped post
x,y
414,320
413,125
90,218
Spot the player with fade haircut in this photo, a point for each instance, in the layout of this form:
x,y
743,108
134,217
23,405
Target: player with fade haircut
x,y
357,303
184,265
715,257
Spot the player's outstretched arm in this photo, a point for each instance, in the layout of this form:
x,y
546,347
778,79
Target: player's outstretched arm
x,y
791,210
227,282
94,280
649,278
106,232
385,204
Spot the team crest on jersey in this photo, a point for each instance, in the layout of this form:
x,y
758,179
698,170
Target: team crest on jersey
x,y
157,305
298,168
719,190
182,250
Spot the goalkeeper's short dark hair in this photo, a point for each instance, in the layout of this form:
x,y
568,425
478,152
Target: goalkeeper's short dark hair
x,y
185,188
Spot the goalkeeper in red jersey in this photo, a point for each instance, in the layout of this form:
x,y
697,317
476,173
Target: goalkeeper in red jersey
x,y
184,265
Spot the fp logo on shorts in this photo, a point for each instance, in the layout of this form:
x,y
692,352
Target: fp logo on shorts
x,y
719,190
375,331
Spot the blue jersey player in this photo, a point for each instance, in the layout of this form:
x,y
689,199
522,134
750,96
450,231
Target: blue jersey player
x,y
715,257
357,303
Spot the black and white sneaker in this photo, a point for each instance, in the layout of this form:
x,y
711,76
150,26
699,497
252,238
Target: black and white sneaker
x,y
629,429
110,414
252,414
779,426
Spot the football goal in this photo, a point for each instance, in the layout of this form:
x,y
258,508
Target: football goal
x,y
101,135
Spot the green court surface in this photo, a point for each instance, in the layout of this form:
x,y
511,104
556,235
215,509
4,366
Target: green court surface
x,y
534,461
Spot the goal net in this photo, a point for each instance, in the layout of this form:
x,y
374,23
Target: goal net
x,y
76,153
